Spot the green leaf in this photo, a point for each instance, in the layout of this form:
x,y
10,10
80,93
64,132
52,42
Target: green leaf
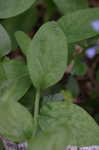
x,y
77,25
20,23
55,139
16,122
50,9
5,43
12,8
16,82
79,67
14,69
73,86
47,56
23,41
64,124
57,113
67,6
54,114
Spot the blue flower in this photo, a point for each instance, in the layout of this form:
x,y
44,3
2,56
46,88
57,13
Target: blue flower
x,y
91,52
95,25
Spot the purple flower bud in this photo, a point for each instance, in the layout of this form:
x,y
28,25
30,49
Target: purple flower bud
x,y
95,25
91,52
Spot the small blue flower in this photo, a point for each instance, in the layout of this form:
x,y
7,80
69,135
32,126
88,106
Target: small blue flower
x,y
91,52
95,25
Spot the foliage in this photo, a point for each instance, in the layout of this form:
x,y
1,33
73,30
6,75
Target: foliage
x,y
41,84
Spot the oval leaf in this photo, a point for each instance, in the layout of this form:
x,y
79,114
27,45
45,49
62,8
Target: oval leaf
x,y
21,22
67,6
10,8
47,56
65,124
15,73
56,113
23,41
77,25
16,122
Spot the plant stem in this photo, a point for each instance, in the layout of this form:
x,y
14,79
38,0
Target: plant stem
x,y
36,111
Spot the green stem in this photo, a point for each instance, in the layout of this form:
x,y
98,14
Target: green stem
x,y
36,111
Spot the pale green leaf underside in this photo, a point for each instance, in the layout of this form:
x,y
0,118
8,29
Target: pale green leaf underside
x,y
16,122
63,124
47,56
10,8
77,25
5,43
67,6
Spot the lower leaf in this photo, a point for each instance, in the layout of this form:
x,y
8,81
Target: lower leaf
x,y
16,123
63,124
